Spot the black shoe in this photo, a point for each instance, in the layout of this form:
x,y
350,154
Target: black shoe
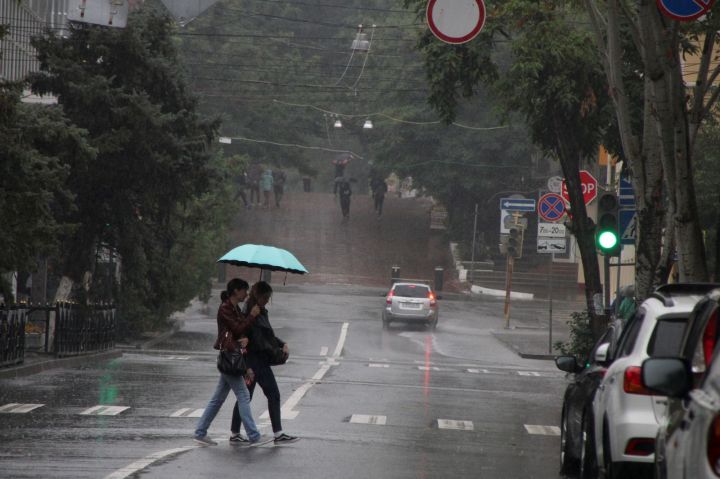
x,y
238,439
285,439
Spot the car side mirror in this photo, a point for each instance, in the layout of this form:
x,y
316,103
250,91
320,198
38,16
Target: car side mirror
x,y
568,364
668,376
601,353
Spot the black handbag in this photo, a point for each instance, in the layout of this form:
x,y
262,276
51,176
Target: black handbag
x,y
231,362
277,357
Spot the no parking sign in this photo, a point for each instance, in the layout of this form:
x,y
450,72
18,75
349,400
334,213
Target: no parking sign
x,y
551,207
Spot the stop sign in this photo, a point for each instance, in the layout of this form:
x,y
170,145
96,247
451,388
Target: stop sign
x,y
589,187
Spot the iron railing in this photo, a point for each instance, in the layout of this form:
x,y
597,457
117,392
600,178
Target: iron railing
x,y
84,329
12,334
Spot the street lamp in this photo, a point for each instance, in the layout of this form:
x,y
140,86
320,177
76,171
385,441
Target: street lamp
x,y
368,125
361,42
338,123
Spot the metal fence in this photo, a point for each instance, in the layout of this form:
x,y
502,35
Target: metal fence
x,y
84,329
63,329
12,334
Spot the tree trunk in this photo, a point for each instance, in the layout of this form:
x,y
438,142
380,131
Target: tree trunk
x,y
582,227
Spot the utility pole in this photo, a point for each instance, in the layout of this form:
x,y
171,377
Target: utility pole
x,y
472,254
513,249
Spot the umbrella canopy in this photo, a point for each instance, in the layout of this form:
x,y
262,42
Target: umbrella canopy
x,y
263,257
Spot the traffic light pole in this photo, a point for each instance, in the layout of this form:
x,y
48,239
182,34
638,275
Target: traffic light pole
x,y
606,273
508,287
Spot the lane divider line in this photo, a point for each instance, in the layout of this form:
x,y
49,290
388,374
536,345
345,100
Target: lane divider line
x,y
147,461
542,430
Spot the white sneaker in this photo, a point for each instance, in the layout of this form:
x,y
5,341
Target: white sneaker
x,y
205,441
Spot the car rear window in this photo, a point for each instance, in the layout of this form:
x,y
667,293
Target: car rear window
x,y
667,337
411,291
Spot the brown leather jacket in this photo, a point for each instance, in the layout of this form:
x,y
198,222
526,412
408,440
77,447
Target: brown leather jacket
x,y
229,318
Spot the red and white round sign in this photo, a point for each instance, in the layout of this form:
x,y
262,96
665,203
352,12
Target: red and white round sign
x,y
456,21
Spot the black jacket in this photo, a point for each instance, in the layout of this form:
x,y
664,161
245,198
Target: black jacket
x,y
263,343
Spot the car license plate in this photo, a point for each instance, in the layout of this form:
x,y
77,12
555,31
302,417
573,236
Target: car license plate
x,y
411,306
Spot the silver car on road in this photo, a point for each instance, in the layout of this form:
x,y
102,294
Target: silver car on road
x,y
412,303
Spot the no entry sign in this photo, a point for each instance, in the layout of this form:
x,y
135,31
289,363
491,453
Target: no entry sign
x,y
455,21
589,187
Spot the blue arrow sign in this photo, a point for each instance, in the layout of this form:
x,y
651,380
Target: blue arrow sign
x,y
517,204
628,226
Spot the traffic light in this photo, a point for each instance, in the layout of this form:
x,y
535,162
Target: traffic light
x,y
607,230
515,242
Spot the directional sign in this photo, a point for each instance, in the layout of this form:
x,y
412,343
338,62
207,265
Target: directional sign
x,y
517,204
628,226
551,245
589,187
626,198
455,21
551,230
551,207
684,10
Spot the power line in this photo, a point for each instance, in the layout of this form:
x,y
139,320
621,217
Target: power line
x,y
293,145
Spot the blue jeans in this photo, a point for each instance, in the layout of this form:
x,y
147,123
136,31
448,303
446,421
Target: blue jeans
x,y
225,384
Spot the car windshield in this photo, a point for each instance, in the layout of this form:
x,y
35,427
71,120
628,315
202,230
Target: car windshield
x,y
411,291
667,337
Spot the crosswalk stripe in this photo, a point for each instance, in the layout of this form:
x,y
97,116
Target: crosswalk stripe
x,y
455,424
368,419
528,373
542,430
104,410
19,408
376,365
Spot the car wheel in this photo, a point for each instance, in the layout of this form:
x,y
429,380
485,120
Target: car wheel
x,y
613,470
588,457
568,462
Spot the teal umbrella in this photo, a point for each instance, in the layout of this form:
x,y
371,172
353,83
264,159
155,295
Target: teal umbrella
x,y
263,257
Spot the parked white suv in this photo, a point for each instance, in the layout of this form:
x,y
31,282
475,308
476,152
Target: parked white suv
x,y
626,413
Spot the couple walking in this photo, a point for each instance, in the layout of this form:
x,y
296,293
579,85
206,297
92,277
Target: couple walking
x,y
251,331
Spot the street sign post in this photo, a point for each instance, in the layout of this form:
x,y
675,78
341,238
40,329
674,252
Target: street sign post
x,y
517,204
589,187
551,207
455,21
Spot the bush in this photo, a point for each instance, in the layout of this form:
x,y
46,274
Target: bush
x,y
581,339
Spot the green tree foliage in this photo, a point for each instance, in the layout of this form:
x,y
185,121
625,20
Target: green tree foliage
x,y
155,193
553,78
36,145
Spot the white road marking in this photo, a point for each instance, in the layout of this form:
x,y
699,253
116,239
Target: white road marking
x,y
188,412
104,410
478,371
428,368
177,358
297,395
378,365
422,362
323,351
138,466
19,408
284,414
455,424
528,373
543,430
368,419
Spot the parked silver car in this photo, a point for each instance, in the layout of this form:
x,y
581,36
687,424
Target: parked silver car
x,y
412,303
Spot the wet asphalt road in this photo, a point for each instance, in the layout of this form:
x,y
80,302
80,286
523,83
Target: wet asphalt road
x,y
408,377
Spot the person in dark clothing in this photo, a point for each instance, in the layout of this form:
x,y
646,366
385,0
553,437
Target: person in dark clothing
x,y
254,176
379,188
279,179
264,349
232,330
241,183
345,192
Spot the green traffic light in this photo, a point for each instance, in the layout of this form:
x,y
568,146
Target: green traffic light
x,y
607,240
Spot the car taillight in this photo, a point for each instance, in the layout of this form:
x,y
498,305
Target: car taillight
x,y
388,300
710,338
431,297
640,446
713,445
633,381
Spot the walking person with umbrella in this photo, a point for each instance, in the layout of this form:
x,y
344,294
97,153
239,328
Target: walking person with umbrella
x,y
264,350
232,329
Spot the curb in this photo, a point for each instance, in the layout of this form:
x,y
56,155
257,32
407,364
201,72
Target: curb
x,y
550,357
177,326
29,369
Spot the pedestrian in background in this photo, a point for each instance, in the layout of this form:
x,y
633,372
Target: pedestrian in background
x,y
254,182
344,192
241,181
279,179
266,184
378,188
264,350
230,320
